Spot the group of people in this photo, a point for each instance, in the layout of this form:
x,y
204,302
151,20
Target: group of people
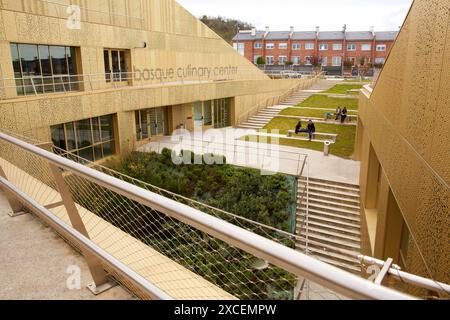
x,y
341,114
310,129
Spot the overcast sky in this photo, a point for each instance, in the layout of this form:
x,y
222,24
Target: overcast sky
x,y
306,14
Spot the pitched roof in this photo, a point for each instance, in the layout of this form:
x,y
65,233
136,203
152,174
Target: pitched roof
x,y
278,35
331,35
311,35
247,36
386,35
304,35
359,35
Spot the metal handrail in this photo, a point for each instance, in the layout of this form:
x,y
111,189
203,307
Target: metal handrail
x,y
85,243
279,255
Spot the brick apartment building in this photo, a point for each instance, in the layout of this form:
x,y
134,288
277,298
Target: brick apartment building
x,y
328,48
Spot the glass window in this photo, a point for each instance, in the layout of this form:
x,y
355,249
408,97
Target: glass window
x,y
90,139
123,66
381,47
84,131
107,66
115,65
70,136
337,61
366,47
282,60
258,45
309,46
296,61
270,60
58,136
351,47
44,69
17,69
296,46
207,113
31,69
283,46
337,46
59,67
270,46
44,55
107,127
323,47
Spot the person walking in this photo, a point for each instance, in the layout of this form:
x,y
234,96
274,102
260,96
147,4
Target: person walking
x,y
344,114
311,129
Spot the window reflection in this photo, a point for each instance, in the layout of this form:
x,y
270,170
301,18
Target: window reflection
x,y
90,139
44,69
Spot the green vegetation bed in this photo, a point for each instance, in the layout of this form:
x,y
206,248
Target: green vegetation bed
x,y
344,88
325,102
344,146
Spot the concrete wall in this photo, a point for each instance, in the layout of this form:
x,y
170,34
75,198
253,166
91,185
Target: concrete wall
x,y
406,124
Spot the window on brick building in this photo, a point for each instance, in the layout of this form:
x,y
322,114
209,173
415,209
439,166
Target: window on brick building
x,y
296,46
270,60
337,46
366,47
296,61
258,45
282,60
323,47
309,46
270,46
351,47
381,47
282,46
337,61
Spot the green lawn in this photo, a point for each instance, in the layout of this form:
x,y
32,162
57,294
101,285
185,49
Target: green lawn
x,y
324,102
358,80
307,113
318,146
344,146
344,88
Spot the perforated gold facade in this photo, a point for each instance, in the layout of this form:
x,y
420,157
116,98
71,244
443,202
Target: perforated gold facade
x,y
404,146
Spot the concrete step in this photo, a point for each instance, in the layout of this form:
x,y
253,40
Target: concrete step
x,y
333,183
256,121
337,198
329,221
332,187
334,204
263,117
346,230
337,243
250,126
339,211
324,246
334,235
342,265
335,256
335,193
335,216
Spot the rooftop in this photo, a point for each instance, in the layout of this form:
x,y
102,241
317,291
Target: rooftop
x,y
247,35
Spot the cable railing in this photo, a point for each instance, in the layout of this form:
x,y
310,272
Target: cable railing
x,y
34,85
183,251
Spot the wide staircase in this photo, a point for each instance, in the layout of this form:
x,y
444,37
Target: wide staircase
x,y
263,117
332,226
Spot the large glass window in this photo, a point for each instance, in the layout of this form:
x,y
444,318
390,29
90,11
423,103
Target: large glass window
x,y
44,69
116,68
90,139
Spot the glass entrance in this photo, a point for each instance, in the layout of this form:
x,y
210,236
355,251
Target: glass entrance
x,y
157,122
151,122
203,114
198,114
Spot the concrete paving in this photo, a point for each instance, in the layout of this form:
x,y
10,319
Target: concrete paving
x,y
284,159
34,262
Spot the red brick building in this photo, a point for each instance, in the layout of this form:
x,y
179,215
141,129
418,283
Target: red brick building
x,y
329,48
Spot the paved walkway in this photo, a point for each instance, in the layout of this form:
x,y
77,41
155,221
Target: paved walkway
x,y
283,159
34,262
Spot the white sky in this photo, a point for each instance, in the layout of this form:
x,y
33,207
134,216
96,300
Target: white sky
x,y
359,15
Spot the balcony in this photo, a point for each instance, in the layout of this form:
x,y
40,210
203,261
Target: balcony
x,y
160,245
